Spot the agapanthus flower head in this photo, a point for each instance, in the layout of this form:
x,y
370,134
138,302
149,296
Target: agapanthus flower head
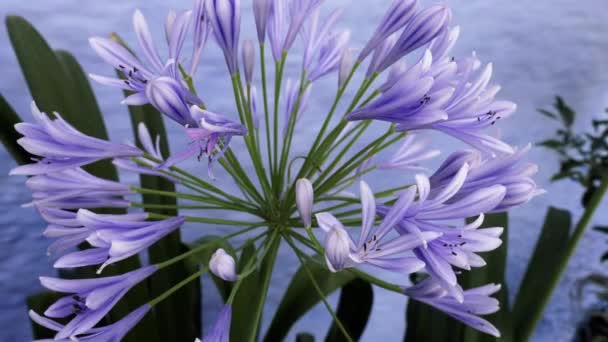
x,y
420,30
371,248
137,74
210,137
476,302
221,328
398,15
115,238
223,265
112,333
413,150
63,147
76,188
89,300
171,98
304,200
225,19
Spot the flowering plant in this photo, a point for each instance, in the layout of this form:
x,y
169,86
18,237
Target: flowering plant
x,y
412,83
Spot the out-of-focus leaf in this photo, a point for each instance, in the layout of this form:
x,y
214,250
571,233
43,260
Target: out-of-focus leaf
x,y
547,113
533,293
251,296
354,308
602,229
8,135
551,143
301,296
566,113
305,337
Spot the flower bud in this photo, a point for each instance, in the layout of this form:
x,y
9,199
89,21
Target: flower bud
x,y
304,200
222,265
337,248
225,19
261,10
346,65
168,96
248,60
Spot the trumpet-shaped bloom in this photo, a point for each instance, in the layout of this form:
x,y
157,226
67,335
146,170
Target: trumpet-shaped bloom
x,y
171,98
211,137
63,147
222,265
397,16
476,302
138,74
111,333
225,19
371,247
76,188
410,154
89,300
115,238
221,328
316,34
329,56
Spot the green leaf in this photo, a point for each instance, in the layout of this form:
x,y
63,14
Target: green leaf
x,y
566,113
8,134
551,143
602,229
425,323
547,113
533,293
305,337
301,297
354,308
251,296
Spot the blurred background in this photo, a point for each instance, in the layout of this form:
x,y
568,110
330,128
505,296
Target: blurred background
x,y
539,49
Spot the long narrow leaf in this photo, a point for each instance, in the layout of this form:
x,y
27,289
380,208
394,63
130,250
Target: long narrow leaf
x,y
8,135
354,308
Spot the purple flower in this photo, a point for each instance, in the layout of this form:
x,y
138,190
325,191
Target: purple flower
x,y
476,302
138,74
410,154
292,91
62,147
248,60
330,54
506,170
420,30
202,28
113,332
211,137
346,66
221,329
90,299
370,247
222,265
171,98
74,189
225,19
261,11
398,15
299,11
115,238
304,200
316,35
281,33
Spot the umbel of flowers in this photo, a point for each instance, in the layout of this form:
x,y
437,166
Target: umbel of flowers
x,y
411,81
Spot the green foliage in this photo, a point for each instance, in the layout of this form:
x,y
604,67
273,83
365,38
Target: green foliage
x,y
354,308
301,296
8,135
583,156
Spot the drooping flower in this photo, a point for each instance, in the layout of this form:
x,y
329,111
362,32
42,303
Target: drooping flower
x,y
202,28
248,60
221,328
422,29
304,200
370,247
171,98
210,137
76,188
225,19
115,238
398,15
261,11
506,170
63,147
476,302
89,300
137,74
114,332
410,154
222,265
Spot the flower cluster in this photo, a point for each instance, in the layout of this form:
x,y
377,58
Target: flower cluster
x,y
422,229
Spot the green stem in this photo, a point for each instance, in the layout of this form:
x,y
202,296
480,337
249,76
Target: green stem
x,y
563,259
266,110
178,286
208,220
280,68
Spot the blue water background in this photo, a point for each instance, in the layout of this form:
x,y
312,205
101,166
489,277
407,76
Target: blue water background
x,y
539,48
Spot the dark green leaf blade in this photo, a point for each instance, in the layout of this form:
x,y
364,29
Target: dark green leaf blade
x,y
301,297
305,337
354,308
533,293
8,135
